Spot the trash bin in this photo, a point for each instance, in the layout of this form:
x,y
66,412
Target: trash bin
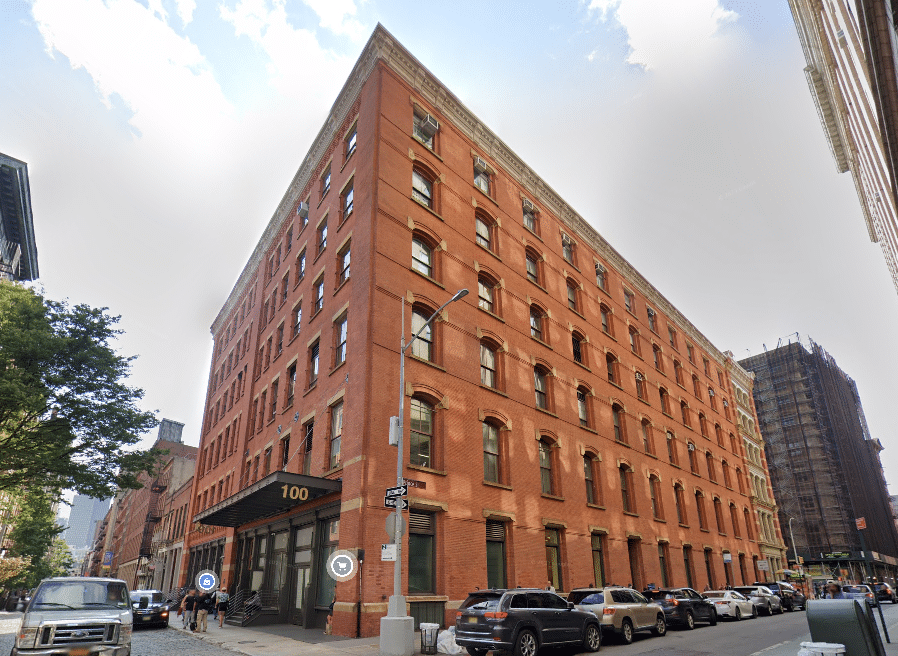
x,y
429,633
821,649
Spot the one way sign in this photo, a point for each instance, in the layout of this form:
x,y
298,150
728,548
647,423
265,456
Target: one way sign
x,y
394,502
398,491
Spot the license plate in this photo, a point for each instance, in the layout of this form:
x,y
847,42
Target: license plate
x,y
472,619
83,651
147,618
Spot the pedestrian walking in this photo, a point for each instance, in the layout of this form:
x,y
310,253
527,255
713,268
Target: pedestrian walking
x,y
834,591
203,606
189,607
221,604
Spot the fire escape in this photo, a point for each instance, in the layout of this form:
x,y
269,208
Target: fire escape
x,y
154,516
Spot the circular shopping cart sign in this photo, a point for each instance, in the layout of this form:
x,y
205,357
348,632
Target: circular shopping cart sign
x,y
342,565
207,580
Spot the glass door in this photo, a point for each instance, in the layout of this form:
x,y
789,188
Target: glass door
x,y
301,574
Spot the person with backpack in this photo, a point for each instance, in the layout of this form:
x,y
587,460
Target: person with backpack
x,y
189,606
203,605
221,604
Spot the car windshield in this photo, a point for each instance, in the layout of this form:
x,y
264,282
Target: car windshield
x,y
482,602
580,597
658,594
854,588
714,594
880,586
78,595
748,591
591,600
773,587
152,597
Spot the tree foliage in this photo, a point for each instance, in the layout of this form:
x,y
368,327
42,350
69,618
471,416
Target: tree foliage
x,y
32,536
11,568
67,418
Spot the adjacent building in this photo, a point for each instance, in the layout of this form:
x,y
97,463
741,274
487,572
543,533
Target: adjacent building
x,y
86,512
824,464
566,424
18,248
850,49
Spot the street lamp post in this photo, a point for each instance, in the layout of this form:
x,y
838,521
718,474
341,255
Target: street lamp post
x,y
397,629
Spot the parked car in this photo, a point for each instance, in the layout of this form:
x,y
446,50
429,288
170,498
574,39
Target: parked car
x,y
76,615
885,592
762,597
729,603
683,606
621,611
799,600
522,621
149,607
785,593
860,592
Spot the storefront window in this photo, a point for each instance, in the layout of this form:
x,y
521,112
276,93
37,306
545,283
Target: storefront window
x,y
326,585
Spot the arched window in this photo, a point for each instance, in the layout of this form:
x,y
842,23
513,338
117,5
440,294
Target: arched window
x,y
656,356
700,506
734,517
665,400
617,419
693,459
726,409
590,474
484,229
672,456
718,515
626,480
739,480
746,516
422,187
422,347
491,454
655,494
573,291
422,256
734,445
532,262
640,386
611,365
696,387
536,322
684,411
647,442
545,466
531,216
605,315
725,467
488,367
678,372
582,406
421,433
680,499
718,432
578,347
486,294
568,247
634,340
712,399
712,473
541,387
703,424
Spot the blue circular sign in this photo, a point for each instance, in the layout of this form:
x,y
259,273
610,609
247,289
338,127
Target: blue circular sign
x,y
207,581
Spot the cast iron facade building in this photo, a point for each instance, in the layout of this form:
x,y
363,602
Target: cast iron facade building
x,y
824,464
566,423
18,248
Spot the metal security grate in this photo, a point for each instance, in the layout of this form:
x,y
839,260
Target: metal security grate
x,y
495,531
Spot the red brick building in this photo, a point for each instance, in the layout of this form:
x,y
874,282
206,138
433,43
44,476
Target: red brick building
x,y
570,424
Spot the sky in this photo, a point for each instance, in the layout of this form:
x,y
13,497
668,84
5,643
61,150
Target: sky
x,y
161,134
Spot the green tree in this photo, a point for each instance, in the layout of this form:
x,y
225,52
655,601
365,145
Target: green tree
x,y
32,536
60,559
67,419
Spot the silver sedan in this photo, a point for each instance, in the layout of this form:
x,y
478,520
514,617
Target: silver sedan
x,y
730,603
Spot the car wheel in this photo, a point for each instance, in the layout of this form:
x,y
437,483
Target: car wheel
x,y
895,600
525,645
592,641
712,618
754,612
474,651
690,620
660,627
738,614
626,632
781,610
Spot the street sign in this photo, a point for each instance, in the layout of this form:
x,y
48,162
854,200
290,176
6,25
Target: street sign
x,y
399,491
388,552
861,523
342,565
395,502
837,555
391,525
410,482
763,566
727,557
207,580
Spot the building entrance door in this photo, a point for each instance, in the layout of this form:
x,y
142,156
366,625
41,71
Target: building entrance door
x,y
301,575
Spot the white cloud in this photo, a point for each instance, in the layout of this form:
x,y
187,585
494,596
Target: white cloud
x,y
668,33
185,10
337,16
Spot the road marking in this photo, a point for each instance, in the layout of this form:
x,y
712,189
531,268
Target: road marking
x,y
771,647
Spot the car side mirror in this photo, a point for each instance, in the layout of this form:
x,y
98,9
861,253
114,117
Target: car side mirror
x,y
570,605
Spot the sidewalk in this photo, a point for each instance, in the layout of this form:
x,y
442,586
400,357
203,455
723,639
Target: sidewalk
x,y
283,640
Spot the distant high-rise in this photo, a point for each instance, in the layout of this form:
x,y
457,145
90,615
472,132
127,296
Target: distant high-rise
x,y
824,465
86,512
18,249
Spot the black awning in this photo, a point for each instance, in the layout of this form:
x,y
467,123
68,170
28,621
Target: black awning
x,y
275,494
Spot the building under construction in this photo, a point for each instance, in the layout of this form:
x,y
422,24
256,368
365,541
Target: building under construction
x,y
824,465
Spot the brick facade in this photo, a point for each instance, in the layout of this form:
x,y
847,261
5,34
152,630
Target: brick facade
x,y
527,470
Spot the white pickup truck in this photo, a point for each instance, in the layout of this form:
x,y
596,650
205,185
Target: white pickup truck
x,y
76,616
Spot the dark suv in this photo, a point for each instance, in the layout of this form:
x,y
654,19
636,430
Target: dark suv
x,y
522,620
683,606
885,592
